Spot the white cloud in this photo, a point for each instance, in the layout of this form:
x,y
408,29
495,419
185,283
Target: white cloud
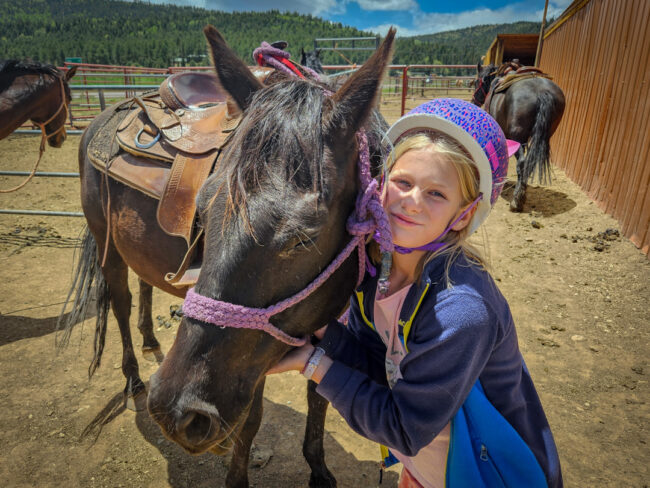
x,y
430,23
401,31
387,4
422,22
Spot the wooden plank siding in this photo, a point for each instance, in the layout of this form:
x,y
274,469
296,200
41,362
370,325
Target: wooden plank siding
x,y
598,52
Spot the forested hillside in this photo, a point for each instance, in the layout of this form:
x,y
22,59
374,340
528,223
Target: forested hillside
x,y
144,34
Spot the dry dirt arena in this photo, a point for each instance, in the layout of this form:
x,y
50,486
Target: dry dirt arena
x,y
582,316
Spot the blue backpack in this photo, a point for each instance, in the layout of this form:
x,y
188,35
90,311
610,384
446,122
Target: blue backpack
x,y
486,451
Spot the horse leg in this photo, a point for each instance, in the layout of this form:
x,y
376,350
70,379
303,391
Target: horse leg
x,y
519,195
237,476
115,273
312,447
150,345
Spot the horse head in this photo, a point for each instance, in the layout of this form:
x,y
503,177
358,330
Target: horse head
x,y
484,77
274,214
311,60
34,91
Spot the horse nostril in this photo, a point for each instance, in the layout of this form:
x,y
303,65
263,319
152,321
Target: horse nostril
x,y
197,426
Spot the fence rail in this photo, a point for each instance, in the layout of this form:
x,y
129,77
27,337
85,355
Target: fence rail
x,y
95,86
92,94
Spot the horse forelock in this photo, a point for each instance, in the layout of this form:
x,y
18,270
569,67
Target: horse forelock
x,y
278,142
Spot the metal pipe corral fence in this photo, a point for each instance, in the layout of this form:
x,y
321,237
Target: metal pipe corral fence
x,y
426,82
51,213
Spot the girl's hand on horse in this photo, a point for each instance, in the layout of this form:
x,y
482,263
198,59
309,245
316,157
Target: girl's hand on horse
x,y
294,360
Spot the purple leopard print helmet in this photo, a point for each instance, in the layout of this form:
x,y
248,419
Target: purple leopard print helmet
x,y
475,130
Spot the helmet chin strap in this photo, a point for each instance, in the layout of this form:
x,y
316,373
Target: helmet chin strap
x,y
435,245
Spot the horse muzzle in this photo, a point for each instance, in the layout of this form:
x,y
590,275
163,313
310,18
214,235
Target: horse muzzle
x,y
57,140
192,423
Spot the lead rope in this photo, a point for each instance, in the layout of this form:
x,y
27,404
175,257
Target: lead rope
x,y
370,209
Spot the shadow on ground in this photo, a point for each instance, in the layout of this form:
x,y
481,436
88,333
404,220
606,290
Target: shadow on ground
x,y
543,200
17,327
280,436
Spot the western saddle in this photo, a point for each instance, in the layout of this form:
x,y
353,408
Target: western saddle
x,y
508,74
169,142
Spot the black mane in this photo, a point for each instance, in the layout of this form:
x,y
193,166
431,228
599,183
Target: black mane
x,y
8,66
286,142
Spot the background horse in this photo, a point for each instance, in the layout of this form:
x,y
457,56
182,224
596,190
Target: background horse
x,y
274,215
311,60
528,111
37,92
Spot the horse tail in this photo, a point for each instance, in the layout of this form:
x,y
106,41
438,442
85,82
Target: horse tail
x,y
88,273
538,155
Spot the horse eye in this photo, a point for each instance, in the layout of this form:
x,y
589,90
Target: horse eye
x,y
298,244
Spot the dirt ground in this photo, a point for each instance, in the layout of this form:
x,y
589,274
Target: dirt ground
x,y
582,316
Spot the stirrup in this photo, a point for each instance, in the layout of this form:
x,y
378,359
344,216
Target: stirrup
x,y
148,145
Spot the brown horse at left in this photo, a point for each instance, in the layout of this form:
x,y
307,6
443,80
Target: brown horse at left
x,y
37,92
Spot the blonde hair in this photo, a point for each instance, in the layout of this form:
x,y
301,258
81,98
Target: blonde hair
x,y
468,177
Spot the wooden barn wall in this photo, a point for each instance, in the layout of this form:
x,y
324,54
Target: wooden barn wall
x,y
600,57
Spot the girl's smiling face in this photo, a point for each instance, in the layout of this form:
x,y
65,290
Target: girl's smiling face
x,y
423,196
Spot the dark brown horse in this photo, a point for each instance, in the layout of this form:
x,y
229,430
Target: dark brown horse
x,y
528,111
37,92
274,215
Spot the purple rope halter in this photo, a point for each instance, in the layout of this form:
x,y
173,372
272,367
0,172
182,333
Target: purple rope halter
x,y
368,216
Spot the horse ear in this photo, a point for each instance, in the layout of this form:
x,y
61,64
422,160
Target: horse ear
x,y
280,45
355,100
234,75
70,73
479,68
303,56
318,52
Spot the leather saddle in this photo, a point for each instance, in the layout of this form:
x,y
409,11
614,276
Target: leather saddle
x,y
501,84
522,73
168,142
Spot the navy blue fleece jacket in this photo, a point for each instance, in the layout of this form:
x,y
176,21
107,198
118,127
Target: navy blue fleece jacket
x,y
457,335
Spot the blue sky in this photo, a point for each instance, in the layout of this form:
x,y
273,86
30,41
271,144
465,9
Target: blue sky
x,y
411,17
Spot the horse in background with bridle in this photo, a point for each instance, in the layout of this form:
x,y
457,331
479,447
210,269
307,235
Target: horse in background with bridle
x,y
528,106
38,92
311,59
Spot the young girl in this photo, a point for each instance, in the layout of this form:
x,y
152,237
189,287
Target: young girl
x,y
412,363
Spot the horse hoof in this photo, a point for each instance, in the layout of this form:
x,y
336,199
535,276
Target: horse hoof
x,y
327,481
153,354
136,403
516,206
